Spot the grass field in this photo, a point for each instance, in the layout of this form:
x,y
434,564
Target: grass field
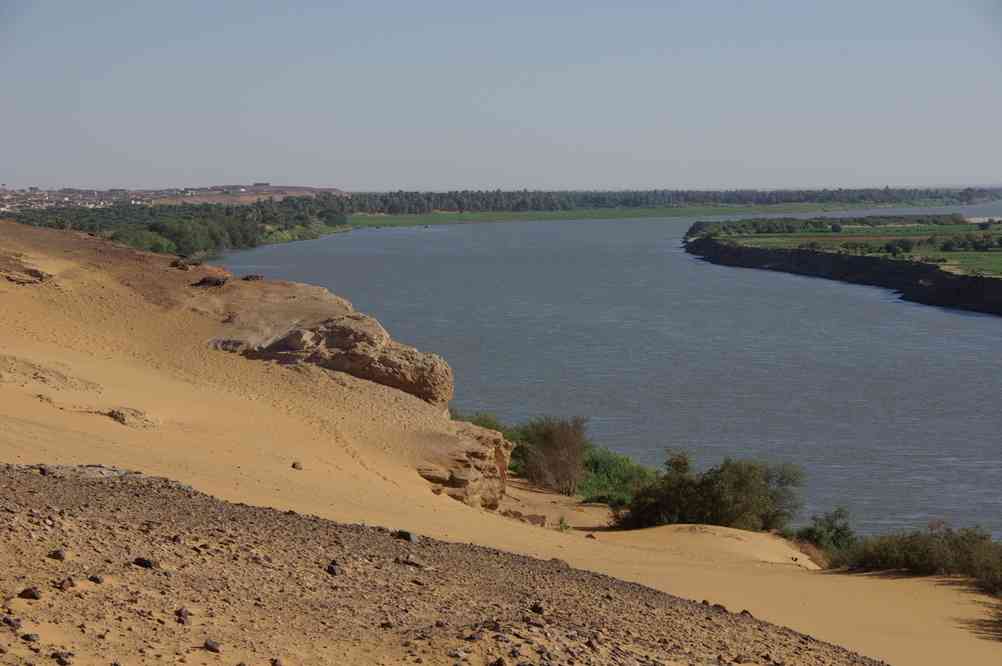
x,y
987,262
443,217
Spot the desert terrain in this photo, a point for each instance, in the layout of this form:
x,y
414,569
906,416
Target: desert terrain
x,y
277,395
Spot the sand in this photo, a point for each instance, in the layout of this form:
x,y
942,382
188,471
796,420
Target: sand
x,y
114,330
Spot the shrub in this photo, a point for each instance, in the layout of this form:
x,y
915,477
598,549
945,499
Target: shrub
x,y
737,493
553,452
936,551
830,532
612,478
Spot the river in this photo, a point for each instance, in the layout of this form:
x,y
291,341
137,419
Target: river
x,y
890,407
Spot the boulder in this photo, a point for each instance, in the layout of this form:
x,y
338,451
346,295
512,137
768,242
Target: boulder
x,y
358,345
476,472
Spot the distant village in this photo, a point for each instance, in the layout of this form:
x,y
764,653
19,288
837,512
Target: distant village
x,y
35,198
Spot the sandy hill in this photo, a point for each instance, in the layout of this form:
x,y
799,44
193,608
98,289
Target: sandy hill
x,y
112,356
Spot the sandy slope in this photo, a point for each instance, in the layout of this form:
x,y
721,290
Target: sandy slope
x,y
111,332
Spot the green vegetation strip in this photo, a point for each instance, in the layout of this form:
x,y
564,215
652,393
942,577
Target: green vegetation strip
x,y
958,245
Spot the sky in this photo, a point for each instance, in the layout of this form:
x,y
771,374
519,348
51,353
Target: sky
x,y
444,94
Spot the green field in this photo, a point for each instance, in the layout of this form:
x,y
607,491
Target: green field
x,y
871,241
443,217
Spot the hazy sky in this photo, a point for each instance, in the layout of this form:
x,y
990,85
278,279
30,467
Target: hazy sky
x,y
468,93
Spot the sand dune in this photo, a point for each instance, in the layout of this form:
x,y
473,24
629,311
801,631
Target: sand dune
x,y
117,330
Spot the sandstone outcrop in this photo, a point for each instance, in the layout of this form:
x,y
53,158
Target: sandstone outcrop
x,y
474,472
358,345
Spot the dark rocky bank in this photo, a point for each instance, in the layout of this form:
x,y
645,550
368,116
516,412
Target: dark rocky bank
x,y
917,282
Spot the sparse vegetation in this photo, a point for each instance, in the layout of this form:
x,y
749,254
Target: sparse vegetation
x,y
557,454
939,550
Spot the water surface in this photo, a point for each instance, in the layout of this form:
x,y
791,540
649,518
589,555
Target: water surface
x,y
890,407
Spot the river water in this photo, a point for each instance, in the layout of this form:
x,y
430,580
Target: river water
x,y
890,407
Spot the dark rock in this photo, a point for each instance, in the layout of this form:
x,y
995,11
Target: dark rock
x,y
297,465
183,616
253,277
30,593
31,638
145,563
58,554
210,281
334,569
212,646
96,579
62,657
537,608
407,536
66,584
277,662
11,622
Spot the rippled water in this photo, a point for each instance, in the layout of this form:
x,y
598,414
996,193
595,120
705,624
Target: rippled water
x,y
891,407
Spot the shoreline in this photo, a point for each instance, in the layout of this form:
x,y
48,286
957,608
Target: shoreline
x,y
916,282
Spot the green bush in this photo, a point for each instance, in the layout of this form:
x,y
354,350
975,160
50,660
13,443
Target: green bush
x,y
612,478
830,532
737,493
936,551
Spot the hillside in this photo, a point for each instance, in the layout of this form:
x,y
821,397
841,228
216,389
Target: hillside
x,y
111,356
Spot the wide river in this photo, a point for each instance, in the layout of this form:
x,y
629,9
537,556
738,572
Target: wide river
x,y
891,408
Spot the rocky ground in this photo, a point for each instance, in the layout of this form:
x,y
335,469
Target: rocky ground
x,y
104,567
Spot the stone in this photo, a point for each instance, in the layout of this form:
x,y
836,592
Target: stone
x,y
297,465
212,646
334,569
407,536
62,657
32,593
210,281
58,554
182,616
145,563
31,638
97,579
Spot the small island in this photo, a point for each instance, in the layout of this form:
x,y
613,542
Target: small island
x,y
946,260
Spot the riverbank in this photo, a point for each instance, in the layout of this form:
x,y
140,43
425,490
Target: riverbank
x,y
914,281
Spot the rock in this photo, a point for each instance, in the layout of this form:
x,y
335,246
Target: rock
x,y
590,536
62,657
212,646
145,563
97,579
182,616
59,554
66,584
476,470
297,465
277,662
31,638
407,536
253,277
411,561
333,568
210,281
357,344
537,607
133,418
12,622
32,593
